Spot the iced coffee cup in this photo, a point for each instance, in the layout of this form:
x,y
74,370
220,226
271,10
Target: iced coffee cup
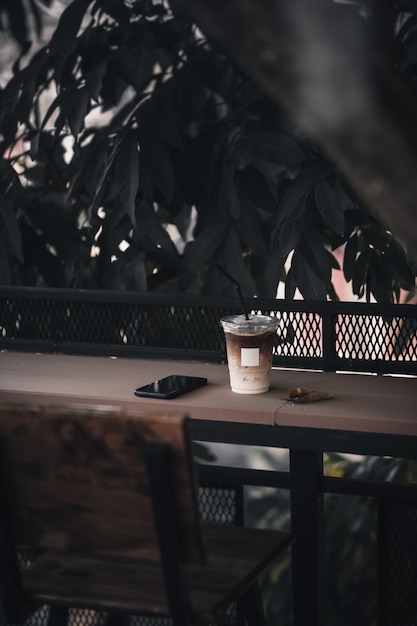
x,y
249,345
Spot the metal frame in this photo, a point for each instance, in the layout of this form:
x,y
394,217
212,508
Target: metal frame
x,y
157,457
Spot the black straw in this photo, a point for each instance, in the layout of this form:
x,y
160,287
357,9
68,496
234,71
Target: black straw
x,y
236,284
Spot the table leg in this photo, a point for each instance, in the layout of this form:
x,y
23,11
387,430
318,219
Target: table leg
x,y
306,471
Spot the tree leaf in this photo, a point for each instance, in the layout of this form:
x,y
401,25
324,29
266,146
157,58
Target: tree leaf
x,y
305,181
254,185
68,26
274,272
229,194
315,254
289,227
249,229
135,274
230,258
359,274
349,258
118,11
4,266
329,208
74,107
408,26
155,156
409,48
36,17
8,113
94,80
310,285
199,252
10,231
290,284
167,115
127,174
152,235
17,21
398,259
107,163
273,147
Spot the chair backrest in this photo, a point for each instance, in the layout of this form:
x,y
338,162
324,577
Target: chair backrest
x,y
76,478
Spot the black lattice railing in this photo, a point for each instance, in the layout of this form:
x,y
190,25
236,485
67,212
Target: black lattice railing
x,y
319,335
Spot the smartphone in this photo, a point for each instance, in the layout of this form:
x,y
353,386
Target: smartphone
x,y
170,386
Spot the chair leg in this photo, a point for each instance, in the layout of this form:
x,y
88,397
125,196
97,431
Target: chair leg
x,y
58,616
253,609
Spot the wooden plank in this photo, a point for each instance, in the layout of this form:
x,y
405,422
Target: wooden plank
x,y
81,480
236,556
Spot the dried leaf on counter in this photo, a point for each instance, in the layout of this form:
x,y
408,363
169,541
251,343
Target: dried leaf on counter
x,y
301,395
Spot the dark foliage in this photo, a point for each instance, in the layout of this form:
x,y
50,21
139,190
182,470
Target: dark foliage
x,y
138,156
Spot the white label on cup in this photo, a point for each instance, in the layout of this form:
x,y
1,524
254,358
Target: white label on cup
x,y
249,357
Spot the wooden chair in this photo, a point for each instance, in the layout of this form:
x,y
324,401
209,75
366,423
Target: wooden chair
x,y
108,497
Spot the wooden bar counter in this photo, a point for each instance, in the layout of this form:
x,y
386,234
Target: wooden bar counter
x,y
366,403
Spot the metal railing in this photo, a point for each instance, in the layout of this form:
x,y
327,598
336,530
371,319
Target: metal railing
x,y
313,335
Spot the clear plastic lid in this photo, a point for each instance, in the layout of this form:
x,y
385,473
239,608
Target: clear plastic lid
x,y
255,325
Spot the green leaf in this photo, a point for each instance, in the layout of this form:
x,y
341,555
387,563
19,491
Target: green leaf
x,y
249,229
290,284
377,279
409,47
118,11
4,266
310,285
274,272
17,21
349,258
10,231
408,26
107,163
329,208
127,174
231,191
8,113
315,254
359,274
199,252
377,237
307,179
231,259
68,26
151,234
135,275
289,227
75,107
254,185
155,156
167,115
273,147
94,80
398,259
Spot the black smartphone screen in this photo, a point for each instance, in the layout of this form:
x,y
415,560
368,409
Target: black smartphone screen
x,y
170,386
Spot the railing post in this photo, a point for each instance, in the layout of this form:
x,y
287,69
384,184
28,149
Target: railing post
x,y
329,339
307,527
